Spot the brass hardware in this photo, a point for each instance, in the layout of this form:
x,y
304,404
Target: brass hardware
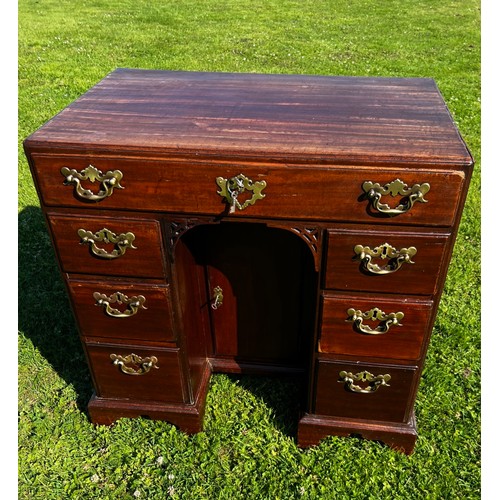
x,y
374,192
121,241
375,314
396,258
374,382
133,304
143,364
218,297
231,188
109,181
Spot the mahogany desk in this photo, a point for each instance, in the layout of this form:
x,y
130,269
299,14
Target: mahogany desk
x,y
264,224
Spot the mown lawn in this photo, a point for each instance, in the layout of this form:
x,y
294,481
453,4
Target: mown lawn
x,y
247,449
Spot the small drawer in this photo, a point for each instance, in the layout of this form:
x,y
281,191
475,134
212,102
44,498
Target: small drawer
x,y
133,372
108,246
329,192
384,261
123,310
381,327
364,391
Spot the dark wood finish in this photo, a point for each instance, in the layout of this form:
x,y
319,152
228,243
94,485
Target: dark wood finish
x,y
285,263
400,436
343,270
389,403
145,261
405,341
267,315
192,304
187,417
152,323
162,384
340,119
329,193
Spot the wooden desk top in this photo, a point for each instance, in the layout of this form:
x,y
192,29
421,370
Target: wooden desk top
x,y
341,120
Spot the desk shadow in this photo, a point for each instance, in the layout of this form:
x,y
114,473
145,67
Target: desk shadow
x,y
45,315
282,395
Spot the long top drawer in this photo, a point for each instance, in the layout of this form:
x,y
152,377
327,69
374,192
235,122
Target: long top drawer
x,y
362,194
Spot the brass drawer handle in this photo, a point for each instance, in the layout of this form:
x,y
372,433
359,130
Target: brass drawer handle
x,y
374,192
109,181
231,188
133,304
121,241
374,382
141,365
396,258
375,314
218,297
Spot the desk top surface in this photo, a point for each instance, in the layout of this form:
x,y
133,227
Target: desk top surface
x,y
349,120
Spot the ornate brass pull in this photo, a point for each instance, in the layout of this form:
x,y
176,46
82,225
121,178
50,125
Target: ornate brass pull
x,y
121,241
231,188
141,365
396,258
374,192
109,181
375,314
374,382
133,304
218,297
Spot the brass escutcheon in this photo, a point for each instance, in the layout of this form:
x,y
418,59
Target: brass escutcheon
x,y
231,188
121,241
396,258
373,381
375,314
133,304
374,192
108,182
143,365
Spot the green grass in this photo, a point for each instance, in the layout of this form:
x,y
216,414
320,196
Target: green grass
x,y
246,450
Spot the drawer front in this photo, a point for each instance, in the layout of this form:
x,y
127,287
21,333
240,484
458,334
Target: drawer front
x,y
364,391
123,310
381,327
384,261
331,193
108,246
133,372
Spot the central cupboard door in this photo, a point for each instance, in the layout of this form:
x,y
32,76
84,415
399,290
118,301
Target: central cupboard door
x,y
261,289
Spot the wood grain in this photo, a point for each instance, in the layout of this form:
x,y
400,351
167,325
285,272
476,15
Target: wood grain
x,y
344,119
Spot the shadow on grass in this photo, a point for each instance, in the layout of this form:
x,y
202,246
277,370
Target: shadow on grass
x,y
282,395
45,315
